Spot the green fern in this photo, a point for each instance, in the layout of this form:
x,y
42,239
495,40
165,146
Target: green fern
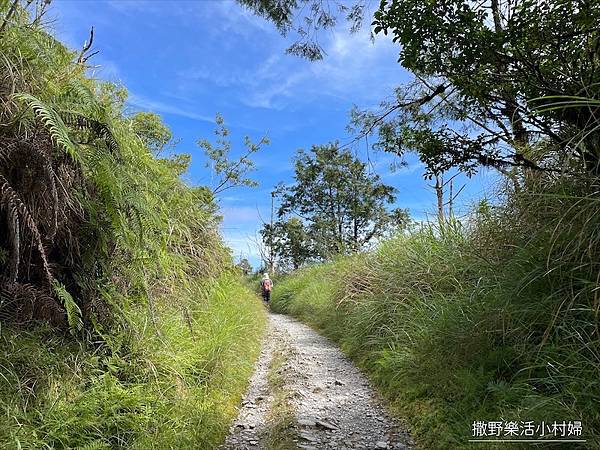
x,y
53,123
79,94
74,316
96,445
78,121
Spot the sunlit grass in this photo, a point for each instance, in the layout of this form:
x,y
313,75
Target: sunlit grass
x,y
279,432
491,321
166,388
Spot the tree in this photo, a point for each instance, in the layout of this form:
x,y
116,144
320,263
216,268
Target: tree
x,y
486,74
339,207
290,241
154,134
511,85
306,19
245,266
229,172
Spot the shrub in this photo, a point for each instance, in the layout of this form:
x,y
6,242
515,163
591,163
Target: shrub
x,y
176,386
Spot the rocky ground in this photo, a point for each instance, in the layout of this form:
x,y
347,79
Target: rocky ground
x,y
332,403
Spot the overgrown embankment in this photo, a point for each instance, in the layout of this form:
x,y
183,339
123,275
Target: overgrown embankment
x,y
122,323
173,386
496,320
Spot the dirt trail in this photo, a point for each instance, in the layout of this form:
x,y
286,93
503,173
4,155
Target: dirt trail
x,y
332,403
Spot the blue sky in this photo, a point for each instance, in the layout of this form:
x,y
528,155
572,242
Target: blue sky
x,y
187,60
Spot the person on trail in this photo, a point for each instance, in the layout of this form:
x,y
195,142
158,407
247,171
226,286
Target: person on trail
x,y
266,285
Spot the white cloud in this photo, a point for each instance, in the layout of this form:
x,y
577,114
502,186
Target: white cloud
x,y
243,244
234,18
240,229
354,68
166,108
239,214
409,169
223,16
105,70
267,97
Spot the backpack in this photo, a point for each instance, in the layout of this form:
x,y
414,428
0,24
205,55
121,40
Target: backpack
x,y
266,285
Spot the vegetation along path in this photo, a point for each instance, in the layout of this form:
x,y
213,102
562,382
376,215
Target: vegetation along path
x,y
306,394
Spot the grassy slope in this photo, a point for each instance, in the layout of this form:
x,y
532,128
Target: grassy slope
x,y
451,337
158,354
169,389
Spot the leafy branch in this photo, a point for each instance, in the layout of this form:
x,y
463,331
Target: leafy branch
x,y
229,172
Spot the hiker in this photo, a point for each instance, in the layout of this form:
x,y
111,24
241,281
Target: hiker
x,y
266,285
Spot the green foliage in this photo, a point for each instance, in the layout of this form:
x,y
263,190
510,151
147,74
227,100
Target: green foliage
x,y
176,386
155,135
342,207
306,19
478,68
83,188
99,235
290,242
279,433
229,173
51,121
245,266
72,309
494,320
481,72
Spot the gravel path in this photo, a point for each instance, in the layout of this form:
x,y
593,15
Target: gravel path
x,y
250,425
334,406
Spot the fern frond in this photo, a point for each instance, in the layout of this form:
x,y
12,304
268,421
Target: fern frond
x,y
78,93
44,164
101,130
11,200
96,445
74,316
53,123
14,233
21,302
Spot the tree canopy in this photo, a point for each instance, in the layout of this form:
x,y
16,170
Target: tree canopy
x,y
487,79
335,206
504,84
305,19
153,133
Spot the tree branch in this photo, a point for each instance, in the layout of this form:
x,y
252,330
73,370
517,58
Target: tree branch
x,y
10,13
419,102
86,46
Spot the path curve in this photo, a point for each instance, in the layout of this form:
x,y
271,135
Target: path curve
x,y
334,406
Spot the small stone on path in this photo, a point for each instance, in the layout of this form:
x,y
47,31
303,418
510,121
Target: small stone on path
x,y
308,437
326,425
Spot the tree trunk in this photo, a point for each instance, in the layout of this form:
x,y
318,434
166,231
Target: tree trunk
x,y
450,201
439,192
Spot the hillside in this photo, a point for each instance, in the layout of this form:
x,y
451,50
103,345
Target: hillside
x,y
123,325
428,207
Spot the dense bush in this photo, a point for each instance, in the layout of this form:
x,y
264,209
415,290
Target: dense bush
x,y
88,211
496,319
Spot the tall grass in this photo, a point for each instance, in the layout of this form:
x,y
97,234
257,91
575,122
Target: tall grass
x,y
165,388
496,319
120,327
